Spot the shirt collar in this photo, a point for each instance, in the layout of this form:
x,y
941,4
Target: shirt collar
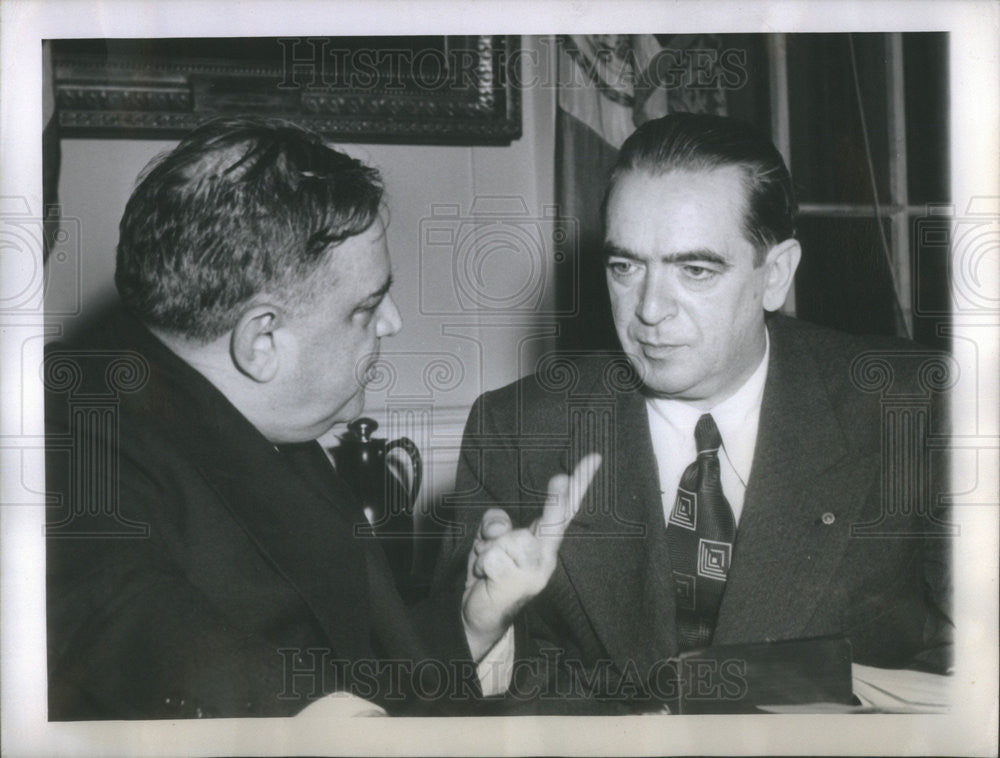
x,y
736,417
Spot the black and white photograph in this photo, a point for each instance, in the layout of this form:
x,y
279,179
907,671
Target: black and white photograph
x,y
542,391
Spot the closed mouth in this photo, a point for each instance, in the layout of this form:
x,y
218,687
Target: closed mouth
x,y
658,349
659,345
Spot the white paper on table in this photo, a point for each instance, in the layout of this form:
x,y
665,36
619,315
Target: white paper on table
x,y
884,691
901,689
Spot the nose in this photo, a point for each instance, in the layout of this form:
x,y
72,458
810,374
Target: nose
x,y
656,298
389,320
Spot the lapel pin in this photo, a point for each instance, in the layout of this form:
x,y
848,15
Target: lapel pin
x,y
828,518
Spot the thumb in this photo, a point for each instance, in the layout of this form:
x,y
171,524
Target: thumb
x,y
564,499
494,523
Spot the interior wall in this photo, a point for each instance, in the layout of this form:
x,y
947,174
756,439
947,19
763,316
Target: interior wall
x,y
459,337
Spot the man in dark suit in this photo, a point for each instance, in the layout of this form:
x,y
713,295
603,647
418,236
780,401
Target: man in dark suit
x,y
203,557
751,489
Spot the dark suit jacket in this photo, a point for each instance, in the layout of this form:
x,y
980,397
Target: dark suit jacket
x,y
193,568
808,559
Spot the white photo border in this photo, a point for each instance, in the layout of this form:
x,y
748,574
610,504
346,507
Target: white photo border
x,y
970,729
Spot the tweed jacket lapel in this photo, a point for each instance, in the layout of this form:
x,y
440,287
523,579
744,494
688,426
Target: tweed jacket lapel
x,y
785,551
614,552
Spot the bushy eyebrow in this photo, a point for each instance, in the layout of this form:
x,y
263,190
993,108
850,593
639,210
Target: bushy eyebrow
x,y
701,255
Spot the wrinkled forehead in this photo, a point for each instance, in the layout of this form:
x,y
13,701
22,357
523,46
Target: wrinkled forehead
x,y
729,183
676,205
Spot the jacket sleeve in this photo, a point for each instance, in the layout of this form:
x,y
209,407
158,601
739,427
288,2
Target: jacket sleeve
x,y
547,659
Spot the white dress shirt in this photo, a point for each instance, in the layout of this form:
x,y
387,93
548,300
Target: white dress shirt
x,y
671,425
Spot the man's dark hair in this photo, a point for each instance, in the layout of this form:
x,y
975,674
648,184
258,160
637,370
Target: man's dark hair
x,y
701,142
241,207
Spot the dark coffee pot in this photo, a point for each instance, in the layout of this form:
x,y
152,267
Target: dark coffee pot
x,y
376,478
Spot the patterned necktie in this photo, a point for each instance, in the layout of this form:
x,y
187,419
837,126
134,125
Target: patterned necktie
x,y
700,536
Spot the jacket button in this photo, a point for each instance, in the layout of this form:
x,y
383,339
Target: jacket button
x,y
828,518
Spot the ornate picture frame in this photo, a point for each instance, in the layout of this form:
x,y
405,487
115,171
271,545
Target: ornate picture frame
x,y
448,90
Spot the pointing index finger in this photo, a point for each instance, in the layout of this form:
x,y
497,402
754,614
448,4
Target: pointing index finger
x,y
565,496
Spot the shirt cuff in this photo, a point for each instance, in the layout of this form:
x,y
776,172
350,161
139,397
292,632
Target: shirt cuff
x,y
497,666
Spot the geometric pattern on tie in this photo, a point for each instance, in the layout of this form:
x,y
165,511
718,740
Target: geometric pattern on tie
x,y
685,584
685,512
700,535
713,559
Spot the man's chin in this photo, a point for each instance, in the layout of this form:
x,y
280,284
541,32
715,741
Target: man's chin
x,y
659,384
660,377
352,409
346,413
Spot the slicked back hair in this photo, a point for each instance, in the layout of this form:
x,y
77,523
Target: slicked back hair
x,y
242,207
701,142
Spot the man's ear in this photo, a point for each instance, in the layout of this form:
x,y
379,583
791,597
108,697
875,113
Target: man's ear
x,y
253,345
780,265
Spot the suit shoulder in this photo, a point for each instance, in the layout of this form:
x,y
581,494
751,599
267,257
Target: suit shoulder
x,y
833,340
855,375
860,362
560,378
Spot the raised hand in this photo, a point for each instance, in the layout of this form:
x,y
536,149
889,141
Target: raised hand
x,y
508,567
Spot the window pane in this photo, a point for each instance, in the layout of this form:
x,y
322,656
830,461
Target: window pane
x,y
844,281
930,242
828,158
925,70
